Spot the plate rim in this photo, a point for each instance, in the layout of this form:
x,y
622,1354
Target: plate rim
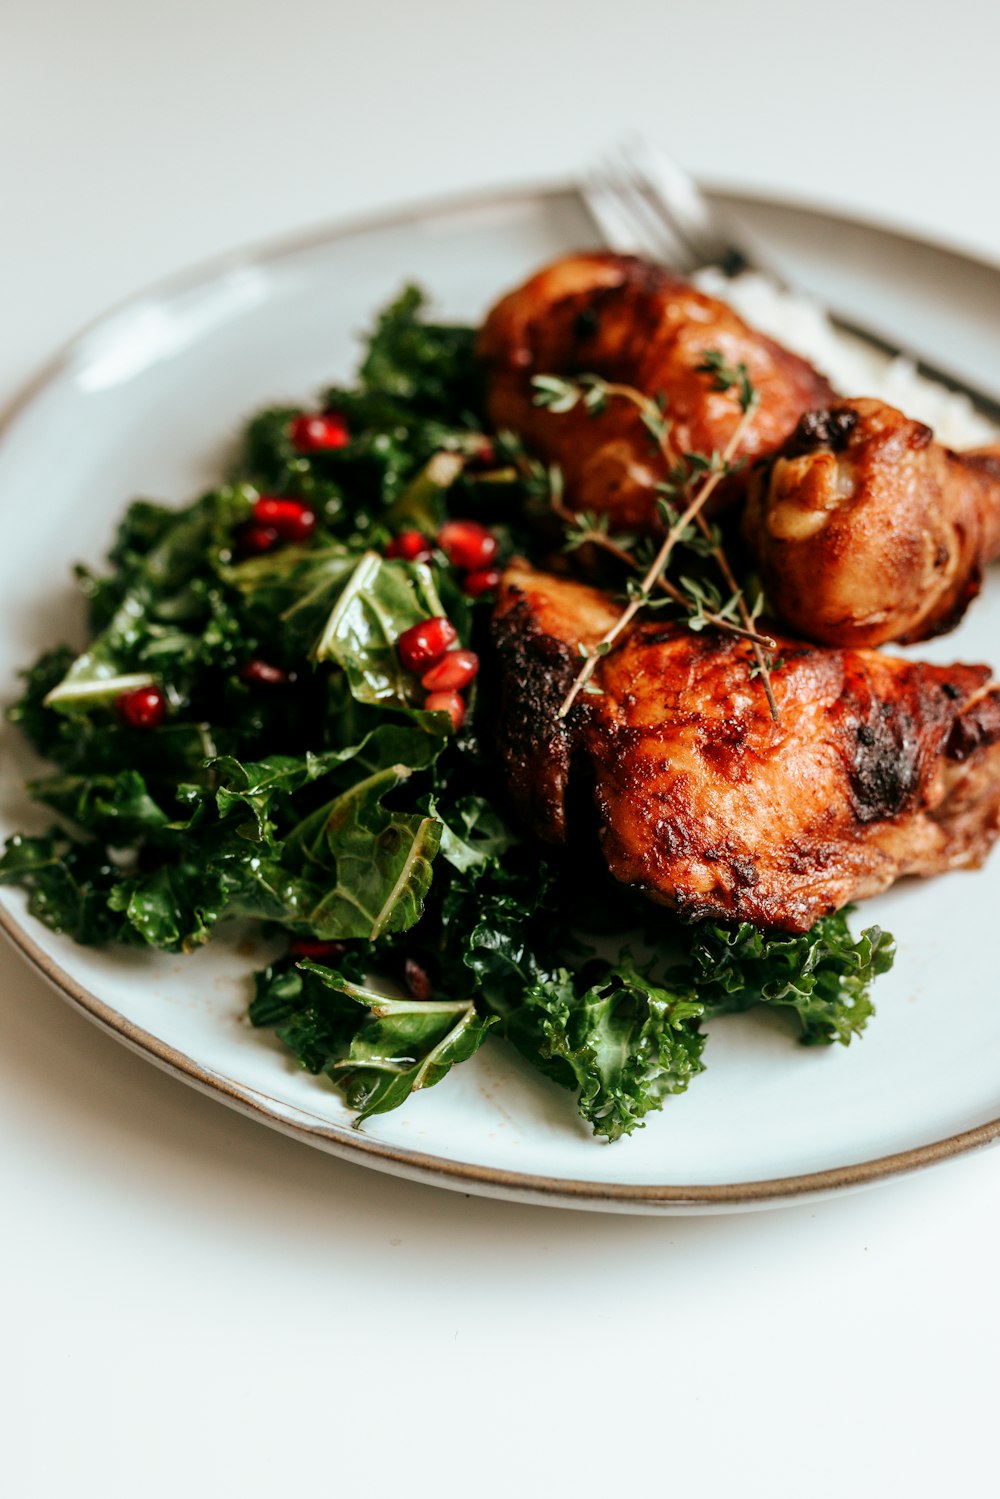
x,y
345,1141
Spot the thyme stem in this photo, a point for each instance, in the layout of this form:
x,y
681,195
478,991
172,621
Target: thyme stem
x,y
759,643
659,562
562,395
605,543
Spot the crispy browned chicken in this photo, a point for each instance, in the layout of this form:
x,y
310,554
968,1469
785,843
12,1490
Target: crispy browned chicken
x,y
866,530
636,324
877,768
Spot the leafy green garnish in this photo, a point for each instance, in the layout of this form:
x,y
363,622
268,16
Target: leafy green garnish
x,y
380,601
823,976
160,616
624,1043
382,860
400,1046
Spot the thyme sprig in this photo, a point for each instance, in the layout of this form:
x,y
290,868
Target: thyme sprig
x,y
687,472
701,602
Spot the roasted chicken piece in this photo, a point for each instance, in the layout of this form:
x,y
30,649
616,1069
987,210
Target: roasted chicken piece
x,y
866,530
877,767
635,324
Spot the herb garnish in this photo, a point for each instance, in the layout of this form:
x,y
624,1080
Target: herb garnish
x,y
692,479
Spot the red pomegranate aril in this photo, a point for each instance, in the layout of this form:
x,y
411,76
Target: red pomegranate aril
x,y
417,979
292,520
447,702
423,644
484,456
142,708
409,546
467,544
263,674
477,583
313,947
319,432
252,540
453,672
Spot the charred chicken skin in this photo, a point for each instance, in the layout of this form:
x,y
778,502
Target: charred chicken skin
x,y
877,767
866,530
634,324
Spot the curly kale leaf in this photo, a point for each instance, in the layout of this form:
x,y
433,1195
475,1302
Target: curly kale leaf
x,y
117,808
68,886
419,387
44,730
624,1042
473,834
824,975
264,789
430,367
292,588
177,905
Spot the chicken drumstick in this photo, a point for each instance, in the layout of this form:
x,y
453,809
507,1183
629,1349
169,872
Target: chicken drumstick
x,y
866,530
635,324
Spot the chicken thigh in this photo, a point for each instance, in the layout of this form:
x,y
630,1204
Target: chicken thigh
x,y
877,767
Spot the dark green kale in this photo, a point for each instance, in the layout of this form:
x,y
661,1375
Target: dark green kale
x,y
68,884
623,1043
419,392
378,1050
823,976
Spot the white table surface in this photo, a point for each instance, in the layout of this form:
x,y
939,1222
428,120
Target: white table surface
x,y
194,1304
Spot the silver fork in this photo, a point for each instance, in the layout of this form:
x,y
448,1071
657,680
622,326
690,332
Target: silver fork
x,y
643,202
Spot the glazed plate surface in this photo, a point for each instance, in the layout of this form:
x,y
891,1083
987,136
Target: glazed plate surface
x,y
148,402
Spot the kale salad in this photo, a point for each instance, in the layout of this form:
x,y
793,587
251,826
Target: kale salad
x,y
285,714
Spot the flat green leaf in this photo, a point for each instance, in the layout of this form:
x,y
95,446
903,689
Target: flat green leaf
x,y
117,808
380,601
403,1046
382,860
107,667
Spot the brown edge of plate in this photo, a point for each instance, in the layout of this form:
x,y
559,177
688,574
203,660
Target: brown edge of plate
x,y
349,1143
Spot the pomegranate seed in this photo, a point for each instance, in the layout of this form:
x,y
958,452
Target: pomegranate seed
x,y
477,583
483,456
320,432
254,539
143,708
467,544
263,674
447,702
312,947
423,644
452,672
410,546
417,979
292,520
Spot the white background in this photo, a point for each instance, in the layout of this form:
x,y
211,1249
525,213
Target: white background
x,y
193,1304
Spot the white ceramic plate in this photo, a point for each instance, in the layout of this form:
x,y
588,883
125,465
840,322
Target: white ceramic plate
x,y
148,401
